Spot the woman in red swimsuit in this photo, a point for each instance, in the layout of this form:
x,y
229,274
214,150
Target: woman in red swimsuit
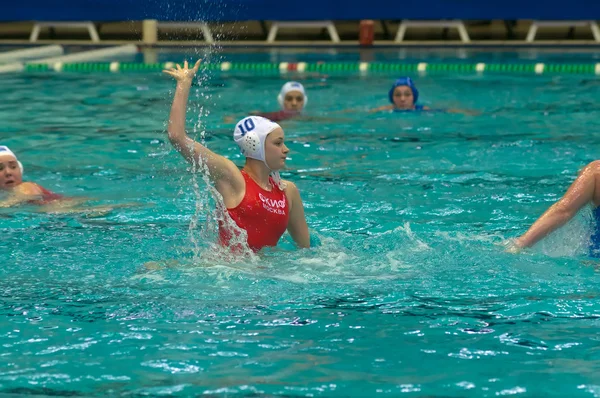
x,y
19,192
11,180
292,99
257,200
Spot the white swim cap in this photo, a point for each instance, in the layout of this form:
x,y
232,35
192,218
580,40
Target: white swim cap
x,y
291,86
250,134
5,151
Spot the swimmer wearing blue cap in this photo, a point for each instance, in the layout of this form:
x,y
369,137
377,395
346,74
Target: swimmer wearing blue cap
x,y
585,190
403,96
255,198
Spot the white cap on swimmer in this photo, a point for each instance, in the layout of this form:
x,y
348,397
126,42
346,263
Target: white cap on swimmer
x,y
291,86
250,134
5,151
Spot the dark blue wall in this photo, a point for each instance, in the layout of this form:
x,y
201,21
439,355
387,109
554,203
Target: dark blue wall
x,y
246,10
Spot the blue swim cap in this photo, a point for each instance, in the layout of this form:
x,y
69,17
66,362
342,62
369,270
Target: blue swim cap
x,y
404,81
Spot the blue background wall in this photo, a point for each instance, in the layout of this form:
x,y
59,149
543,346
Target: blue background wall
x,y
245,10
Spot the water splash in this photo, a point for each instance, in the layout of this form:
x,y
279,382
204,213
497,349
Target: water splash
x,y
209,205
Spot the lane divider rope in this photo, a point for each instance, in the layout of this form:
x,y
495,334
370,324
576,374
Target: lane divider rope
x,y
324,67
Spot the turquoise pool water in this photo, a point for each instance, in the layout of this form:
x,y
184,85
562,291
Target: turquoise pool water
x,y
407,292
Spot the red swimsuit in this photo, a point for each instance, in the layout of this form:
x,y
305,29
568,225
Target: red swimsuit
x,y
47,196
262,214
278,116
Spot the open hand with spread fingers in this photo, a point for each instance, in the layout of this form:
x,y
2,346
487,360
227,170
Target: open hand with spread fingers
x,y
184,74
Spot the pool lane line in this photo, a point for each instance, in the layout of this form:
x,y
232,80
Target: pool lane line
x,y
322,67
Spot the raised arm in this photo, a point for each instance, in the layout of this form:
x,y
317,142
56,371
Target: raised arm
x,y
580,193
297,226
223,172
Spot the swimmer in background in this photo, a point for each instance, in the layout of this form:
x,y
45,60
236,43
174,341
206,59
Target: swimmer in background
x,y
255,197
292,100
585,190
19,192
404,97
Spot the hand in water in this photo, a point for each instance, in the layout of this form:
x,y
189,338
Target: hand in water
x,y
184,74
511,246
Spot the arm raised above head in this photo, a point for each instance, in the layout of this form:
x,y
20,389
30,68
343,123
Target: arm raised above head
x,y
223,172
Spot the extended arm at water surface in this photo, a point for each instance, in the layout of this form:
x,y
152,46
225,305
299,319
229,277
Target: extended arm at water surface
x,y
580,193
220,168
